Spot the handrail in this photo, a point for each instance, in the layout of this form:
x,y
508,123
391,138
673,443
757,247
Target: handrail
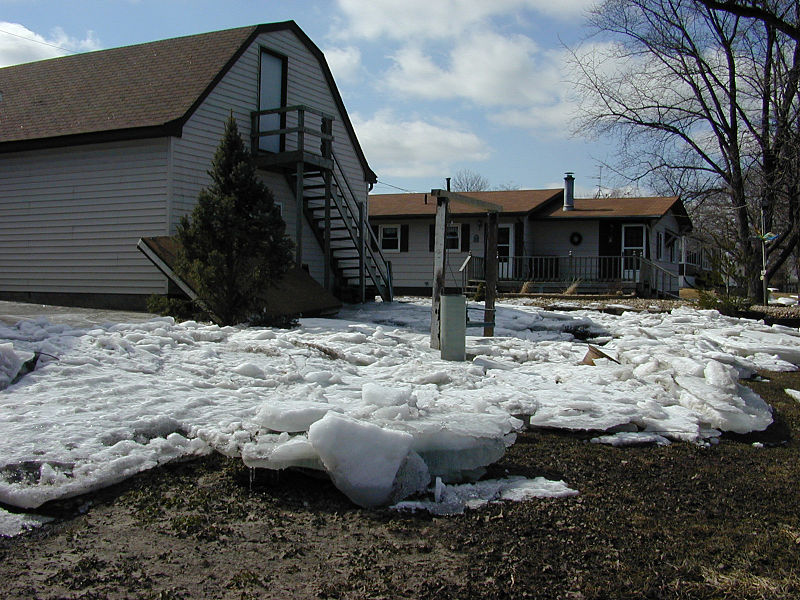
x,y
666,275
349,208
372,246
294,107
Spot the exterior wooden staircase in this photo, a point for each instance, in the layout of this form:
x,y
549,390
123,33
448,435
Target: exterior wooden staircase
x,y
353,259
339,223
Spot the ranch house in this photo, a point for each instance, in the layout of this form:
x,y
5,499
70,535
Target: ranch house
x,y
546,237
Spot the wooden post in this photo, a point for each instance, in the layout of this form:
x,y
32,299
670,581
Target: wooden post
x,y
439,262
327,175
299,216
362,253
327,241
490,274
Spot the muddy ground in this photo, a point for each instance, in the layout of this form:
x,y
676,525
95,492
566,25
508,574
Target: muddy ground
x,y
681,521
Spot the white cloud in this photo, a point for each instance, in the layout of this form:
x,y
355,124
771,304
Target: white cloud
x,y
415,148
427,19
487,68
526,86
18,44
345,63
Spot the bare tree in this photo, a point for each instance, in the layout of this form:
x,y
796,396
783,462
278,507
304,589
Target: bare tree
x,y
705,104
775,13
469,181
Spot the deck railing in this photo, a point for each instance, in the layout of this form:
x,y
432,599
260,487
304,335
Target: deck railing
x,y
285,129
561,268
646,275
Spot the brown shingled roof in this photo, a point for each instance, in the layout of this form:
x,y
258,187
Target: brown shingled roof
x,y
146,85
593,208
414,205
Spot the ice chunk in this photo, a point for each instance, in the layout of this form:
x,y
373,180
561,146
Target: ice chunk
x,y
281,452
12,524
10,363
379,395
291,416
631,438
454,499
250,370
363,459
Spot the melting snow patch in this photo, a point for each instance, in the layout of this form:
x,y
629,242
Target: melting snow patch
x,y
793,394
12,524
631,438
455,499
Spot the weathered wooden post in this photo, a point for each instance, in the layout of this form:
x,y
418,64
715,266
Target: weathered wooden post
x,y
298,191
439,265
490,268
327,131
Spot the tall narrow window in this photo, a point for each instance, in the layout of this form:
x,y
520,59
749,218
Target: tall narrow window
x,y
271,94
452,240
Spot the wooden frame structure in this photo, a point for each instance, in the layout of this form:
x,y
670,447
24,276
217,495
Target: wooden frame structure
x,y
443,198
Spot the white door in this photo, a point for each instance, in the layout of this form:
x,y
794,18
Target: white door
x,y
505,251
632,250
270,95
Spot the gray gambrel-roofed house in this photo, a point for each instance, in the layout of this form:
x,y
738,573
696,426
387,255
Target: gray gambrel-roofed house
x,y
546,237
98,150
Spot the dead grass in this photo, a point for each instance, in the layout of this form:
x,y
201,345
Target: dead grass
x,y
572,288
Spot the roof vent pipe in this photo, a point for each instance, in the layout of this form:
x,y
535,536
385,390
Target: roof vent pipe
x,y
569,192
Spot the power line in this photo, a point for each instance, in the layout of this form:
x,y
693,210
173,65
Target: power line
x,y
395,187
37,41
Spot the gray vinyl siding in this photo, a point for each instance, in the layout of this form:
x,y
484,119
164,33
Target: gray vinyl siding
x,y
415,267
667,223
237,92
70,218
552,238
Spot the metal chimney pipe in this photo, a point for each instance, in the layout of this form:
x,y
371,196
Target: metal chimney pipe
x,y
569,192
448,183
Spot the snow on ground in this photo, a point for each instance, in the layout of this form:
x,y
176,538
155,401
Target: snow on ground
x,y
363,396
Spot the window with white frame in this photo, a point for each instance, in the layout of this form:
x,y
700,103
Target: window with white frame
x,y
452,240
390,238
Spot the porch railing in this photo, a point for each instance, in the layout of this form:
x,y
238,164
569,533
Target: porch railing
x,y
561,268
646,275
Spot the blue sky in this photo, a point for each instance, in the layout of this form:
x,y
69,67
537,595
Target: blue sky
x,y
432,86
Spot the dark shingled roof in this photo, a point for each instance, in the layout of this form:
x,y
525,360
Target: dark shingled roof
x,y
141,91
147,85
414,205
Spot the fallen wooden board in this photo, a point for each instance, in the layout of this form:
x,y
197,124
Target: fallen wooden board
x,y
297,294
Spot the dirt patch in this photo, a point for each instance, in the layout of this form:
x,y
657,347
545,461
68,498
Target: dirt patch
x,y
680,521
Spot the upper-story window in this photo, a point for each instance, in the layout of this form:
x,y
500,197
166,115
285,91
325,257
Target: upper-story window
x,y
271,94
